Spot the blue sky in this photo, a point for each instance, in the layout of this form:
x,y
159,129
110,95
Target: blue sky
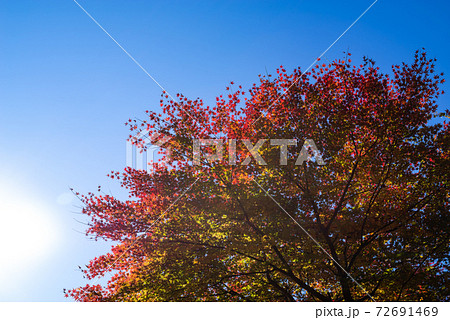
x,y
66,90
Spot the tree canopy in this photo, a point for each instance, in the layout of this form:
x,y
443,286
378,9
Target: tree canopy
x,y
372,222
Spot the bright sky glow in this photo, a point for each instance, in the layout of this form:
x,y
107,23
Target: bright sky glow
x,y
27,233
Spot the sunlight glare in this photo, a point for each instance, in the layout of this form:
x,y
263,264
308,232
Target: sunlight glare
x,y
27,234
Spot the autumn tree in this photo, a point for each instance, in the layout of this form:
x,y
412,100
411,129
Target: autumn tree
x,y
372,223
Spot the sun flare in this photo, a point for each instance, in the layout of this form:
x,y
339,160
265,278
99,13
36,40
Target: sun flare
x,y
27,234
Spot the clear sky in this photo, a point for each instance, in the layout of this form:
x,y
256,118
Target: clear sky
x,y
66,90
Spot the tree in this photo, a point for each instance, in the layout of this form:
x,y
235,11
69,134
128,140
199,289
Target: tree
x,y
372,223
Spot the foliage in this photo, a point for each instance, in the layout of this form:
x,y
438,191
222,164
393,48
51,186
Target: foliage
x,y
379,206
